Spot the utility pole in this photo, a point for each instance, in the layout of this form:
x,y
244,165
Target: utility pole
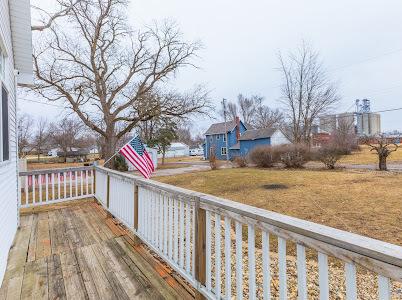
x,y
226,130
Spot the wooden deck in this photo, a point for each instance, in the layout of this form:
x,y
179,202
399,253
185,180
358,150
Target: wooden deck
x,y
76,251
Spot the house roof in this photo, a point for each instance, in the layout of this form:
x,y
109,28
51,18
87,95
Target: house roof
x,y
20,19
235,146
219,128
255,134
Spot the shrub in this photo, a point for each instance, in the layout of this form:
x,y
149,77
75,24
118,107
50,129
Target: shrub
x,y
264,156
120,164
240,161
294,155
213,162
328,155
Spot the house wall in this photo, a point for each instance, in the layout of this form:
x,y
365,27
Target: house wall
x,y
8,169
247,146
212,141
278,138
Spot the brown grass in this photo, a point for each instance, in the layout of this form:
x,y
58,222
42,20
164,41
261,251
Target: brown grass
x,y
365,156
50,165
180,159
363,202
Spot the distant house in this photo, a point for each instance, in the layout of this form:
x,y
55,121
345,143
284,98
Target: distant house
x,y
258,137
177,150
242,139
215,137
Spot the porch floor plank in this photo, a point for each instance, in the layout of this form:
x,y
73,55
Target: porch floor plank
x,y
78,251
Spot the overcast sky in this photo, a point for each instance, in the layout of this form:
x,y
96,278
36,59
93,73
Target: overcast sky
x,y
360,43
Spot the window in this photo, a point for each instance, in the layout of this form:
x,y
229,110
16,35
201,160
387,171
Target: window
x,y
210,138
224,137
217,136
223,151
5,139
2,64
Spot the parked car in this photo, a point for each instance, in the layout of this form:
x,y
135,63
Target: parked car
x,y
196,152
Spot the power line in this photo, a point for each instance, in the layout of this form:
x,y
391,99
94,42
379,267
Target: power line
x,y
39,102
365,60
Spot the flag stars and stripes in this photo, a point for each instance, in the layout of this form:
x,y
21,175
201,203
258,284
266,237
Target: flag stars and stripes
x,y
135,152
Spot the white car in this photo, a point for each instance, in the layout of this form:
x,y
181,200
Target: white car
x,y
196,152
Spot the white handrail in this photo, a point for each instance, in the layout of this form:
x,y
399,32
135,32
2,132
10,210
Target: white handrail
x,y
163,210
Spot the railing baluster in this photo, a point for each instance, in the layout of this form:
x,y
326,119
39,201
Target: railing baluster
x,y
76,183
188,238
52,179
239,261
40,187
71,184
82,183
228,261
47,186
350,278
58,186
323,276
251,262
26,190
218,270
384,288
266,266
166,221
283,290
162,221
176,233
181,235
65,185
208,250
33,189
301,272
170,234
152,217
87,182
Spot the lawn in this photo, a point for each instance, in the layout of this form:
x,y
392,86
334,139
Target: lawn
x,y
363,202
365,156
180,159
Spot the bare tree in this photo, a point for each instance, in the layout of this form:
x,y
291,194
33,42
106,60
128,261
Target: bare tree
x,y
112,77
265,117
25,134
46,22
67,134
383,147
40,140
247,107
306,91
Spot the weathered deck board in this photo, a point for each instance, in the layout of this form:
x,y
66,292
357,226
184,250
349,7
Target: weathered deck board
x,y
77,252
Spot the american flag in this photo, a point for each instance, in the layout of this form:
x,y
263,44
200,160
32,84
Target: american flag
x,y
135,152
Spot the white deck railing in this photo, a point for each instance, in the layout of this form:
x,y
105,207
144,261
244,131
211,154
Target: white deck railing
x,y
226,249
50,186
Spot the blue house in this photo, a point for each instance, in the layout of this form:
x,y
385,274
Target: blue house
x,y
215,137
242,139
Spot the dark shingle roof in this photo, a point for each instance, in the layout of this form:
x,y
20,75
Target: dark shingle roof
x,y
235,147
219,128
257,134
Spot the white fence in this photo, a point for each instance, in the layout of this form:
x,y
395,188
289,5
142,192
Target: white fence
x,y
226,249
41,187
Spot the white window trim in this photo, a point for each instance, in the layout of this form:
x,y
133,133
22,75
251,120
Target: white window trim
x,y
222,151
3,162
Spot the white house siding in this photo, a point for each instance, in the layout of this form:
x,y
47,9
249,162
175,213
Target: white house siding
x,y
278,138
8,169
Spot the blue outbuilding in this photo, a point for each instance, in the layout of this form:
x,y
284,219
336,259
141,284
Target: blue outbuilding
x,y
242,139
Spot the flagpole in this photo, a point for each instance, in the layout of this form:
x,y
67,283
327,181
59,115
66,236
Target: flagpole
x,y
115,154
110,158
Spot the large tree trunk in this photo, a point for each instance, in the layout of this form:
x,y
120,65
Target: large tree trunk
x,y
382,164
109,149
